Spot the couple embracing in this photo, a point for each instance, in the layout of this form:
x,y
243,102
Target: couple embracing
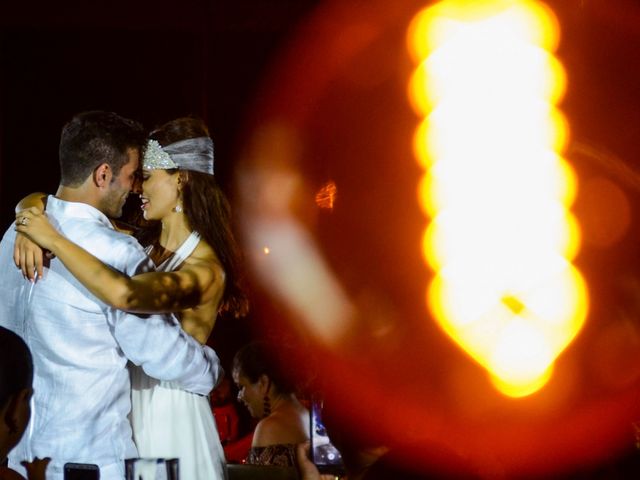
x,y
112,364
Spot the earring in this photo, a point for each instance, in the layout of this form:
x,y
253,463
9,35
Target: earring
x,y
266,406
177,208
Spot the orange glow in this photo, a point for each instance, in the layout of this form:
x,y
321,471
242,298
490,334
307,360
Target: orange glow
x,y
608,216
498,192
326,196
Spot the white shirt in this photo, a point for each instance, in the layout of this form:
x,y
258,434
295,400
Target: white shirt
x,y
80,348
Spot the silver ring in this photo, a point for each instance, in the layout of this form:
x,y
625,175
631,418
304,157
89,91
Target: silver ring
x,y
23,221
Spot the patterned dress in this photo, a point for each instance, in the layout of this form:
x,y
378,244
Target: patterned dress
x,y
282,455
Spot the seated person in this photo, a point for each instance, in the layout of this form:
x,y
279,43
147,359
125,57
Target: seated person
x,y
225,410
16,377
269,396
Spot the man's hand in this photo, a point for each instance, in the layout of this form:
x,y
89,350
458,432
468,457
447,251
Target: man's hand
x,y
36,469
308,471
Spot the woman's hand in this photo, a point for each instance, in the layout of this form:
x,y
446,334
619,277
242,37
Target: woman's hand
x,y
34,224
35,234
28,257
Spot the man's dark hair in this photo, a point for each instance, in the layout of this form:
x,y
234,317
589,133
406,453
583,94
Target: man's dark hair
x,y
93,138
16,365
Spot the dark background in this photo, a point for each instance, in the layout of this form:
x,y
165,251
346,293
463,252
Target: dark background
x,y
148,60
151,61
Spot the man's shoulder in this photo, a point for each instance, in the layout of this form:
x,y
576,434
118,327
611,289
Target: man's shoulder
x,y
114,248
8,474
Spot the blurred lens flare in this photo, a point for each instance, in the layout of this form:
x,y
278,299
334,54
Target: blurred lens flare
x,y
498,193
501,76
439,24
344,284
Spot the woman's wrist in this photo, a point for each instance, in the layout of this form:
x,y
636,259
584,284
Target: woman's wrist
x,y
55,245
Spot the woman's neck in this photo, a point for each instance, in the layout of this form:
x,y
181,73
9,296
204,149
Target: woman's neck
x,y
282,400
175,230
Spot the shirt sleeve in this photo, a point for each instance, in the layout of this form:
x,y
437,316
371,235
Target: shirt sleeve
x,y
158,344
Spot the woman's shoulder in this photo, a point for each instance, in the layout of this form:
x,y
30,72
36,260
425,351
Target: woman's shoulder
x,y
203,254
281,428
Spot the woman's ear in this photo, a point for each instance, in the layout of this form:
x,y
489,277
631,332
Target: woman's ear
x,y
265,383
183,178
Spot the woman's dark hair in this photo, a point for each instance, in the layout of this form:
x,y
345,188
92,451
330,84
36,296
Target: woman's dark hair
x,y
16,365
256,359
208,212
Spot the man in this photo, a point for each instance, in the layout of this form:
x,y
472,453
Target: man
x,y
80,345
16,377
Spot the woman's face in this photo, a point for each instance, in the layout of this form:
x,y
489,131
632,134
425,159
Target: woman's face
x,y
159,193
250,394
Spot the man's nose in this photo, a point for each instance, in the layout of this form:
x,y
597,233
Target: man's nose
x,y
136,187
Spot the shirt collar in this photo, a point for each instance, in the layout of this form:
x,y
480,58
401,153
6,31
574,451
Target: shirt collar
x,y
57,207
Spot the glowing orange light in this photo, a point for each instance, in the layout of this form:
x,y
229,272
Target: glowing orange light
x,y
266,250
502,238
326,196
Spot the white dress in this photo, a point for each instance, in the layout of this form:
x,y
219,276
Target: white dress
x,y
171,423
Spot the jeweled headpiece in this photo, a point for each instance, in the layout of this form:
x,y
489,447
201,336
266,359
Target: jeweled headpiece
x,y
194,154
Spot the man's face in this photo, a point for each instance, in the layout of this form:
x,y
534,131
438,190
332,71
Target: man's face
x,y
120,186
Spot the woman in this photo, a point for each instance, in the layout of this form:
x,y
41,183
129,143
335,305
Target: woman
x,y
196,257
270,397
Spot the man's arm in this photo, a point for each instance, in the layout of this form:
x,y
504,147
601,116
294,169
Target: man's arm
x,y
166,352
156,342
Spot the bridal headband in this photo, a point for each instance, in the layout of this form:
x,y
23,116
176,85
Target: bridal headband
x,y
194,154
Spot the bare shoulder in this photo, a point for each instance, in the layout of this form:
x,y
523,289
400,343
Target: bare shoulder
x,y
203,264
280,429
203,255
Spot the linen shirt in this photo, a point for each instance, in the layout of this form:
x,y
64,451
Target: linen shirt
x,y
80,348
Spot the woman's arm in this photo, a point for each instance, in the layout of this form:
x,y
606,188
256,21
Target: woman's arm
x,y
144,293
27,255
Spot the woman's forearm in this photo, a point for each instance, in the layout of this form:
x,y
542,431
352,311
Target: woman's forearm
x,y
109,285
151,292
144,293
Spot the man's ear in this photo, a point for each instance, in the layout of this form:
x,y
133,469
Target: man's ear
x,y
102,175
